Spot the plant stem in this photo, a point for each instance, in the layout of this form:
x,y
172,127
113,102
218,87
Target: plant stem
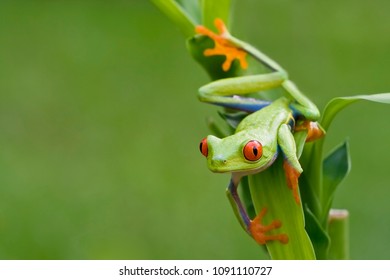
x,y
338,228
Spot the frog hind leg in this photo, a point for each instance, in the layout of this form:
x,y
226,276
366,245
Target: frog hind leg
x,y
255,227
223,46
291,164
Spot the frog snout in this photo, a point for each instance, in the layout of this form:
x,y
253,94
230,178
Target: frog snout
x,y
218,163
219,159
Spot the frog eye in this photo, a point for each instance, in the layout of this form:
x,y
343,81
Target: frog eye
x,y
203,147
253,150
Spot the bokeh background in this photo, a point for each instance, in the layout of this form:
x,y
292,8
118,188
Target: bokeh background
x,y
100,125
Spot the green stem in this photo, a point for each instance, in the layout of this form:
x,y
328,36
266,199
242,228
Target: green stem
x,y
338,228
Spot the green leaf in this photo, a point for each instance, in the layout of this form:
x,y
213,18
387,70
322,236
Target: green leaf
x,y
308,195
318,236
217,129
269,189
212,64
335,168
192,7
314,155
178,15
339,103
233,119
215,9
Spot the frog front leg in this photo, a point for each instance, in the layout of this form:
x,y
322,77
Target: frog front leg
x,y
255,227
291,165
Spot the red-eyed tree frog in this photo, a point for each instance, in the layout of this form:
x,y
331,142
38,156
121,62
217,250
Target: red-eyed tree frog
x,y
261,136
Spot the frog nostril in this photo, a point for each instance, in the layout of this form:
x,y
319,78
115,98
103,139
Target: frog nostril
x,y
220,158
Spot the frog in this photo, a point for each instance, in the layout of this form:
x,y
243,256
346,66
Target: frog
x,y
265,134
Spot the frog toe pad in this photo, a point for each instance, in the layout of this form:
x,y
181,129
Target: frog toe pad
x,y
258,230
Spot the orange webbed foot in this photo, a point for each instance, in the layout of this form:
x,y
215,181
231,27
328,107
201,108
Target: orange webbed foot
x,y
223,46
314,131
258,230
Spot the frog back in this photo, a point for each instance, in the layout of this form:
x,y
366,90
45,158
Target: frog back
x,y
268,119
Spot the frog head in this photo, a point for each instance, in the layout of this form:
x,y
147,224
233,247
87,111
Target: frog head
x,y
241,152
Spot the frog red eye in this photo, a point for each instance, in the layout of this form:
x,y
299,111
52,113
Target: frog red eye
x,y
253,150
203,147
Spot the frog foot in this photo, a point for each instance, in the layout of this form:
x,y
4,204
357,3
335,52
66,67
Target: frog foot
x,y
292,176
258,230
222,45
314,130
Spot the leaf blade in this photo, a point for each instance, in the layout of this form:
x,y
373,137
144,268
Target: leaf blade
x,y
339,103
215,9
269,189
335,168
177,15
314,155
318,236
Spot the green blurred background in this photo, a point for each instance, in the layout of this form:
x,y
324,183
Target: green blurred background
x,y
100,126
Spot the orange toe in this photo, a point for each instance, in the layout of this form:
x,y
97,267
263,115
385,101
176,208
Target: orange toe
x,y
259,231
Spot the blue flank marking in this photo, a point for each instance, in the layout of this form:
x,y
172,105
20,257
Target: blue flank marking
x,y
253,107
295,112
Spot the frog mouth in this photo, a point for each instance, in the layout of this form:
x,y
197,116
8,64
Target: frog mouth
x,y
221,165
